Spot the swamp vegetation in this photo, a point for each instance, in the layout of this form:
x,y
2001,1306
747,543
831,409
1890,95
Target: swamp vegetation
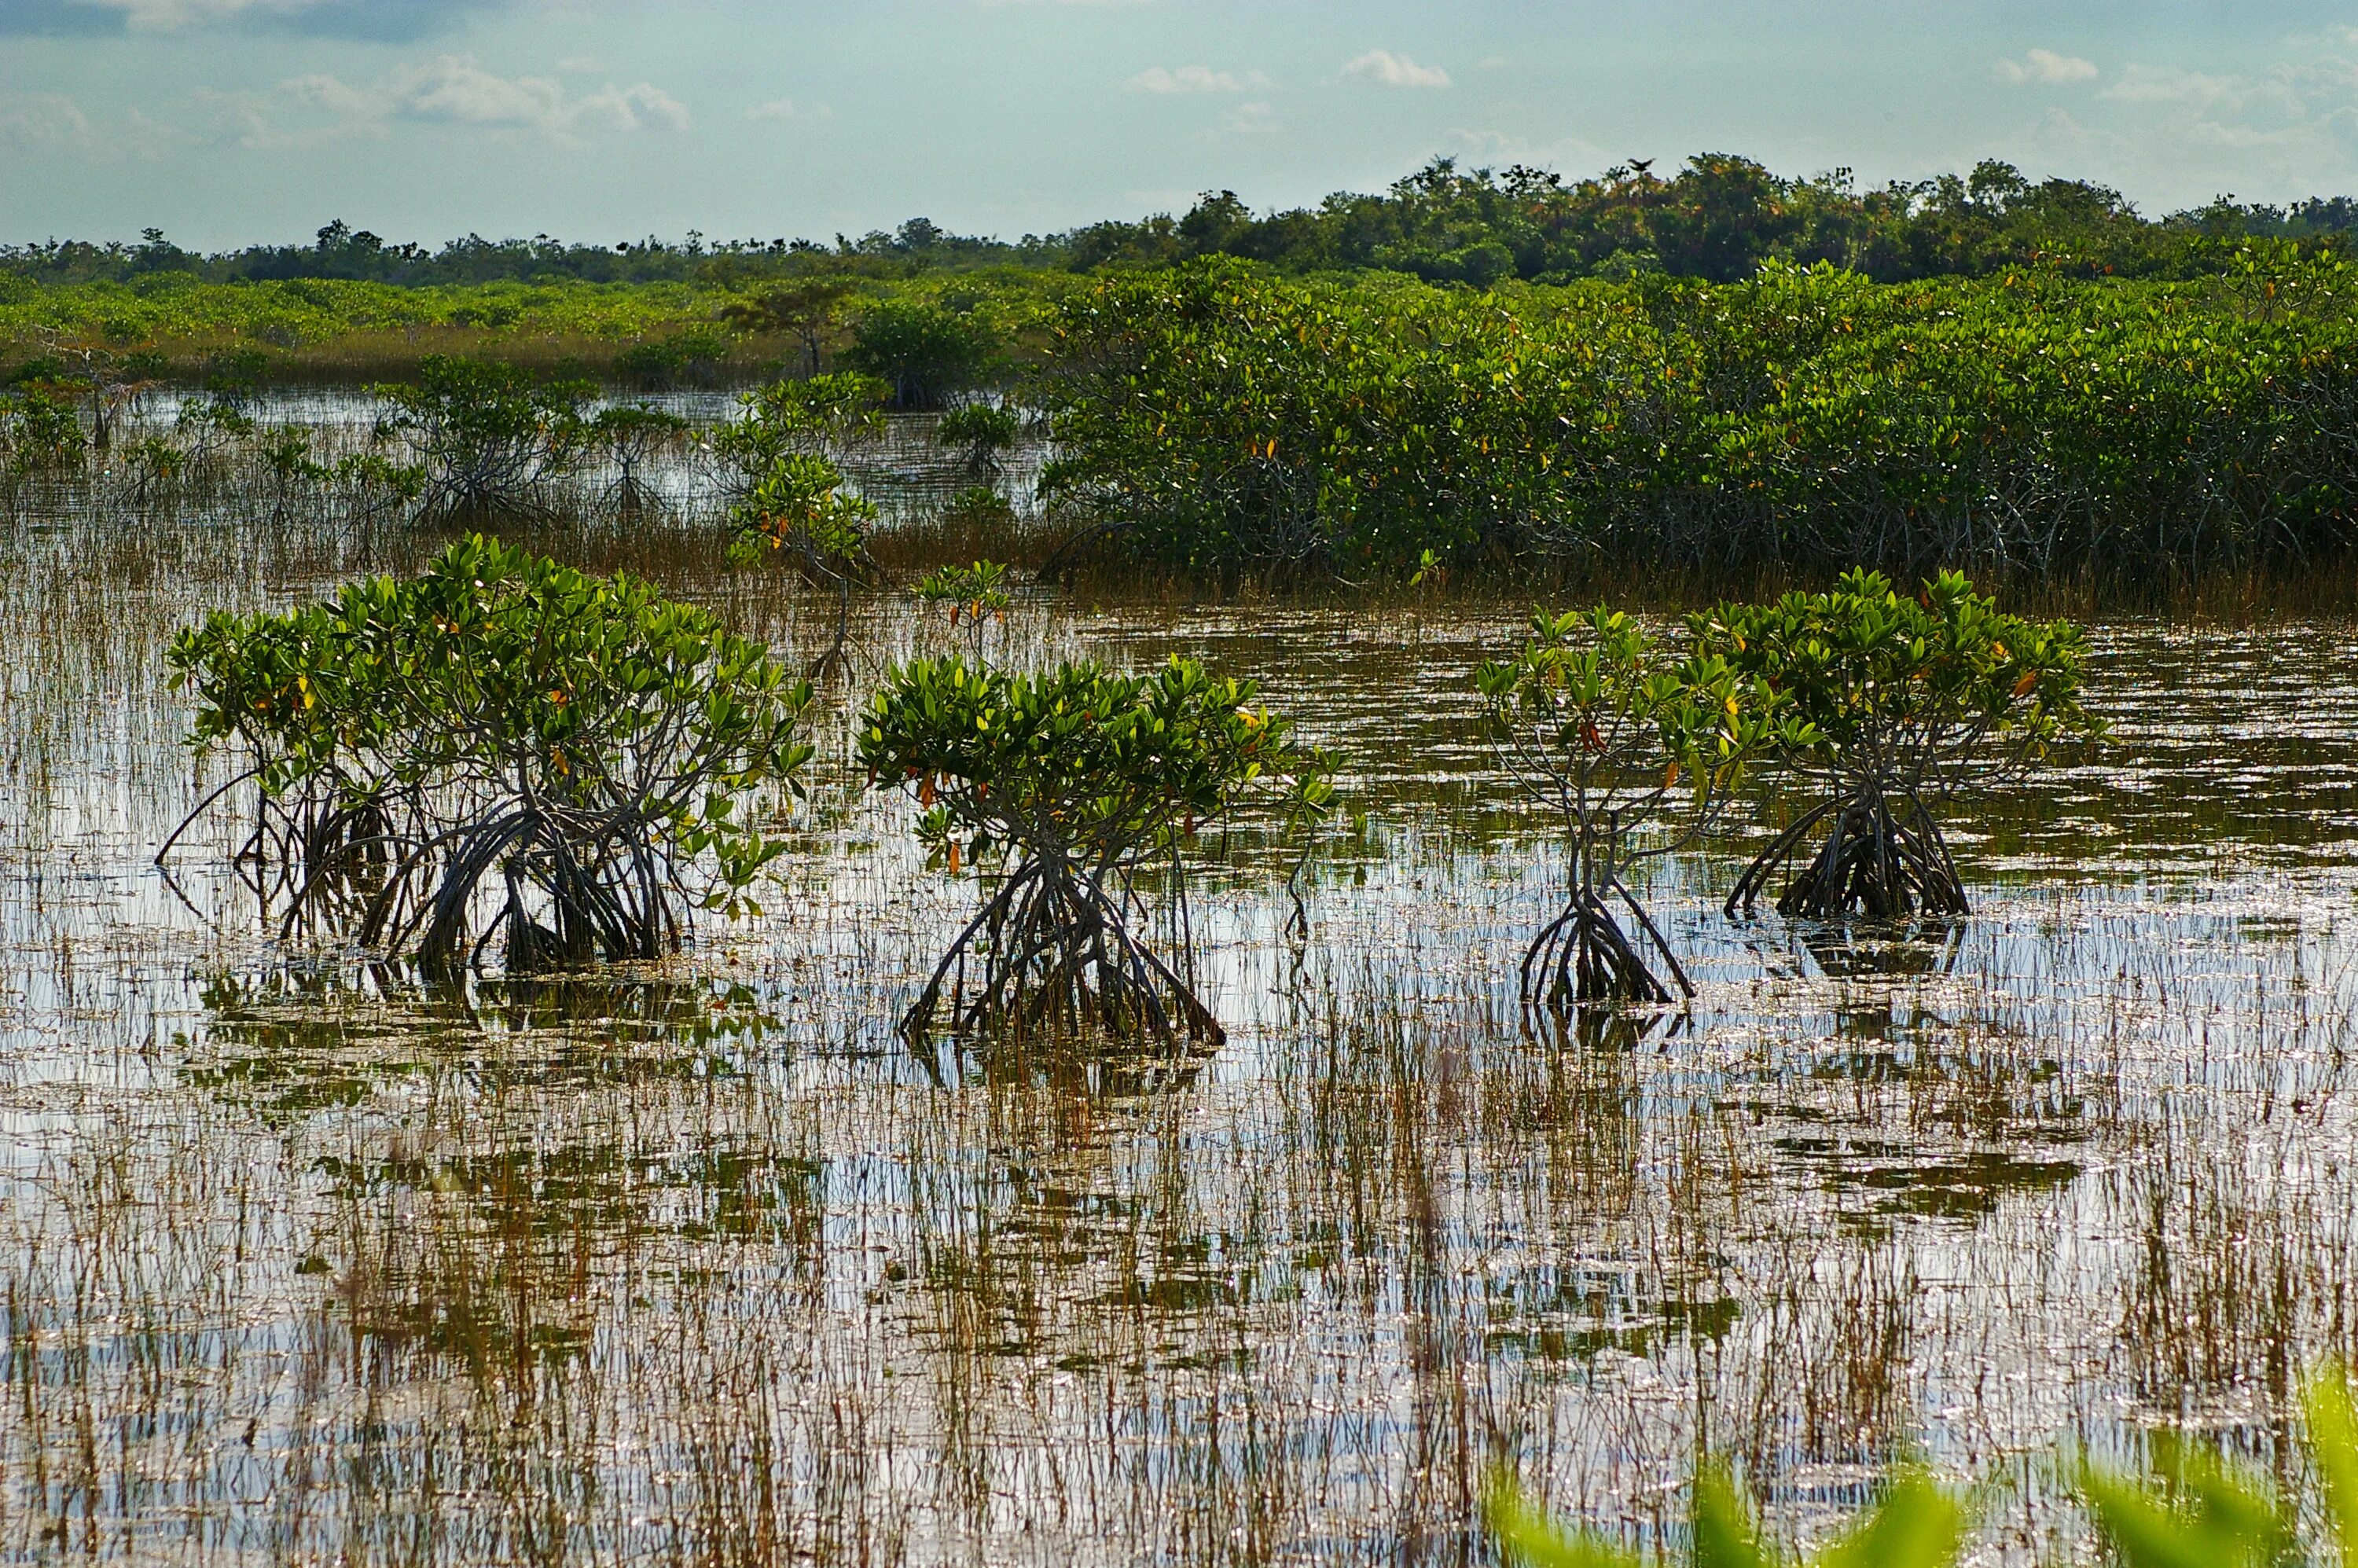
x,y
700,1006
698,1257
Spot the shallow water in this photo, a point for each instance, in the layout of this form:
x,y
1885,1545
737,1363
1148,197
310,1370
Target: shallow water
x,y
304,1261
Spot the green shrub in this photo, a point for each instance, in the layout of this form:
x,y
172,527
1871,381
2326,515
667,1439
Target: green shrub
x,y
630,435
1083,786
235,375
1213,418
788,417
975,595
924,352
489,436
1217,417
1908,700
154,466
800,507
970,592
502,747
1634,751
40,369
375,484
980,432
1916,1525
41,430
687,357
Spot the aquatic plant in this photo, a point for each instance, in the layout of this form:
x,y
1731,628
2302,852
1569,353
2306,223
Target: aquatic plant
x,y
1084,787
235,375
1219,417
976,590
631,434
974,595
787,496
1907,699
41,431
154,466
1635,751
801,511
2194,1509
1916,1525
210,428
501,746
659,365
924,352
788,417
489,436
980,432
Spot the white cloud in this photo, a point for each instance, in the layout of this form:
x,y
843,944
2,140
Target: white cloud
x,y
775,109
454,88
1193,79
451,90
1392,70
168,13
48,121
53,123
1254,119
2172,84
2180,137
629,109
2046,66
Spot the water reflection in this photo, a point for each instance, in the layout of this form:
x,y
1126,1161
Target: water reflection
x,y
699,1262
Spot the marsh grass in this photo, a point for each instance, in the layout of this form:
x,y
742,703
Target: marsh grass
x,y
693,1262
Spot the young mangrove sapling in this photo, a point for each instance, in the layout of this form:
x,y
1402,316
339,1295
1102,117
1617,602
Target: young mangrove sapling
x,y
489,437
787,495
980,432
1908,699
631,434
974,595
503,746
1635,752
1079,787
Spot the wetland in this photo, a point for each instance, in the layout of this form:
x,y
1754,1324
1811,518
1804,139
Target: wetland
x,y
308,1257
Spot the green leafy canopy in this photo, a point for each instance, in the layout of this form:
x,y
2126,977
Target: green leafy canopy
x,y
498,681
1081,761
1598,716
1906,686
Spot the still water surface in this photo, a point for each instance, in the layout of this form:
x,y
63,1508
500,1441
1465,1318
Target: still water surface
x,y
701,1263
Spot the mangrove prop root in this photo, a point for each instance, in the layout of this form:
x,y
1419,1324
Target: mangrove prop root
x,y
1584,956
1881,859
1054,950
562,887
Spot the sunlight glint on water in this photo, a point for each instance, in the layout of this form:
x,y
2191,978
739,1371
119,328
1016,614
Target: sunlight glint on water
x,y
302,1262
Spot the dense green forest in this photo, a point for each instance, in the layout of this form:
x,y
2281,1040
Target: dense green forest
x,y
1719,374
1217,415
1717,218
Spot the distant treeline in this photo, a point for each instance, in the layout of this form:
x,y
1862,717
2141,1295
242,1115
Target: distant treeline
x,y
1716,219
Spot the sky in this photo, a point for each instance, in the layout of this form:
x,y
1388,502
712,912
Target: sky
x,y
231,122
